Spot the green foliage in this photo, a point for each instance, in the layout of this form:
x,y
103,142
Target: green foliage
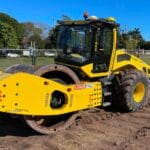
x,y
38,41
32,34
7,19
4,18
145,45
52,38
131,40
14,34
29,29
8,36
22,33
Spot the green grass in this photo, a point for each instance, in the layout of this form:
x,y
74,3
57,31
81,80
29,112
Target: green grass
x,y
146,58
7,62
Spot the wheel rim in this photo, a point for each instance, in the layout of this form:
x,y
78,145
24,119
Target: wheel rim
x,y
139,92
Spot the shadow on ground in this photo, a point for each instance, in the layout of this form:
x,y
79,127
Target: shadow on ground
x,y
14,127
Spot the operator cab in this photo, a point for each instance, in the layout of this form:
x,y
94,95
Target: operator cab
x,y
85,42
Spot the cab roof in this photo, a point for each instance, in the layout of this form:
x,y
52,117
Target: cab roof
x,y
88,22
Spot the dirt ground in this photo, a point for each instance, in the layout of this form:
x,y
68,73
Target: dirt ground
x,y
96,130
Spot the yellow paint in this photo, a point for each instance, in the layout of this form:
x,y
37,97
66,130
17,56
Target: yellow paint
x,y
134,62
27,94
139,92
76,55
111,19
116,66
88,68
112,60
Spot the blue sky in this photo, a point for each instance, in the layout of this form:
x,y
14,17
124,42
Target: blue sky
x,y
129,13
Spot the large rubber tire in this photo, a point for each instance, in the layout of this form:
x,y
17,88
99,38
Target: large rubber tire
x,y
148,93
115,88
133,91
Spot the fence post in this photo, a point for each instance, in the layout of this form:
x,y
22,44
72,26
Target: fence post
x,y
33,54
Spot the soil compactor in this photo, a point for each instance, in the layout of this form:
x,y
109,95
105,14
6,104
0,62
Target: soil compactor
x,y
89,71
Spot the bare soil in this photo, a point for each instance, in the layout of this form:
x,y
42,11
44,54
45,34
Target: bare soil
x,y
95,130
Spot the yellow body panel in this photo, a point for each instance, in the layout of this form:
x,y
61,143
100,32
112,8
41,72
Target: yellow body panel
x,y
133,62
88,68
28,94
118,65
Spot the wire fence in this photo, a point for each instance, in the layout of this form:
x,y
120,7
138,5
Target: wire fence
x,y
9,57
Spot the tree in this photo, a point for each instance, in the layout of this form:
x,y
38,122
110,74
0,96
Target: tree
x,y
52,38
50,41
29,29
32,33
145,45
4,18
44,28
39,42
132,39
8,36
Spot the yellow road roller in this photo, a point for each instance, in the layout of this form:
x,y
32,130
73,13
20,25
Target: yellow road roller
x,y
89,71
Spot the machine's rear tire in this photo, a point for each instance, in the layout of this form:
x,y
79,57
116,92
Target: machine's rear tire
x,y
133,92
149,93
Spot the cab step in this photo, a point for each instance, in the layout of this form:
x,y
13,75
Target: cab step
x,y
106,104
107,83
107,93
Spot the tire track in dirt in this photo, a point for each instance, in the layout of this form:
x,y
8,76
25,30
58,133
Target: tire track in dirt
x,y
97,129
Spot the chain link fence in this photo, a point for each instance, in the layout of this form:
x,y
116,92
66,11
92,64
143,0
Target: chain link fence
x,y
9,57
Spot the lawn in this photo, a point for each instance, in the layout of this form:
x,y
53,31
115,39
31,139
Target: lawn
x,y
6,62
146,58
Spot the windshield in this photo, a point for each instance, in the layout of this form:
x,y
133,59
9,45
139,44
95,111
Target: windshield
x,y
75,42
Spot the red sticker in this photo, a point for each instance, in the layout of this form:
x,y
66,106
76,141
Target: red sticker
x,y
79,86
